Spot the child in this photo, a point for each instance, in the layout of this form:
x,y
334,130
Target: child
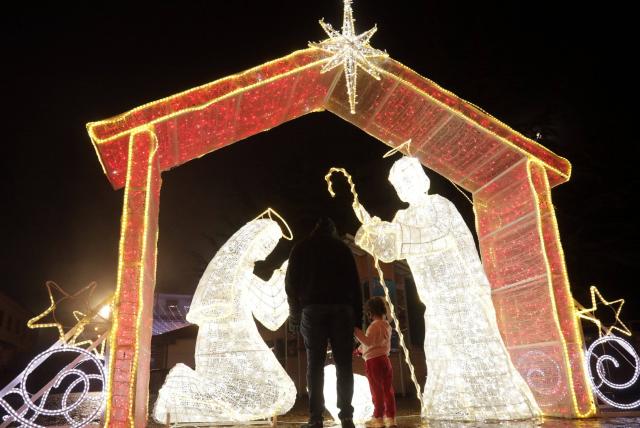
x,y
375,347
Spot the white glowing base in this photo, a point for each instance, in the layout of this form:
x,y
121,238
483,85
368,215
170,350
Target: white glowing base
x,y
237,377
361,402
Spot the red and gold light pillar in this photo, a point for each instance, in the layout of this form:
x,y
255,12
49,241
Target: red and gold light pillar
x,y
130,340
524,260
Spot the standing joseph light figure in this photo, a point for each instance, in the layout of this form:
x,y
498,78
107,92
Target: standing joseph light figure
x,y
237,377
470,375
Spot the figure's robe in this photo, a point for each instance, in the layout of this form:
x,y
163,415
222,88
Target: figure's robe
x,y
237,377
470,374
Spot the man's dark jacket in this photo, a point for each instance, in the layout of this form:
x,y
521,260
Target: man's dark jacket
x,y
322,271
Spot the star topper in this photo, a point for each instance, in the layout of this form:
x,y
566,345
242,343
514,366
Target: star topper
x,y
349,50
588,313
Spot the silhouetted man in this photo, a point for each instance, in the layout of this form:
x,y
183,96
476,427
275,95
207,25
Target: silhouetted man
x,y
324,296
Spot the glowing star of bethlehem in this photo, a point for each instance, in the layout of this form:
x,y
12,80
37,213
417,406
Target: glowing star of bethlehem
x,y
237,377
349,50
471,377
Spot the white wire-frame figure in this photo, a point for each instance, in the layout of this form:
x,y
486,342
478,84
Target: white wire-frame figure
x,y
237,378
470,374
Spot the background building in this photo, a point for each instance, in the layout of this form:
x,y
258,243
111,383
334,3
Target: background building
x,y
16,340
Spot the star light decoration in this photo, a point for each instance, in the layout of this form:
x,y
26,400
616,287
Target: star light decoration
x,y
349,50
82,319
588,313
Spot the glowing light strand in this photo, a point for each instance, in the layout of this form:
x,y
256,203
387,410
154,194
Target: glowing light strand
x,y
36,403
349,50
363,216
600,360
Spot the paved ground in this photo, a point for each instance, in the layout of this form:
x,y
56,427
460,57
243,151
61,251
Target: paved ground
x,y
408,410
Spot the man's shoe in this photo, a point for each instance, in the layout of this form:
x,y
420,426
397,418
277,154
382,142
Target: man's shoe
x,y
347,423
316,424
390,422
374,423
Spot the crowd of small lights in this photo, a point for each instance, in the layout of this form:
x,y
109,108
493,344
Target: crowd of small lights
x,y
86,370
237,378
471,376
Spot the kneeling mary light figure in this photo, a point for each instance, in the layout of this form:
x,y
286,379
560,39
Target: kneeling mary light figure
x,y
237,377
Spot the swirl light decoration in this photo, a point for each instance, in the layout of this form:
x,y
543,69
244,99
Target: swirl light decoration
x,y
237,377
361,401
85,372
543,375
600,379
471,377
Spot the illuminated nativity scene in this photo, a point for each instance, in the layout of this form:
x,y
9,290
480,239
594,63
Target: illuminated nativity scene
x,y
507,364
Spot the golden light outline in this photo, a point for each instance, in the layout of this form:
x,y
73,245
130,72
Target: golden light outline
x,y
33,322
99,141
594,306
268,213
116,302
406,144
591,411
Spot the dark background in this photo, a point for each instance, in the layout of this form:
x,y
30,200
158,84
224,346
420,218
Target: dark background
x,y
565,74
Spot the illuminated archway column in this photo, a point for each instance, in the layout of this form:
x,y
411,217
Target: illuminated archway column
x,y
523,258
130,342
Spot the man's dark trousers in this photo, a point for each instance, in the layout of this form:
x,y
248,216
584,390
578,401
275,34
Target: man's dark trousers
x,y
319,324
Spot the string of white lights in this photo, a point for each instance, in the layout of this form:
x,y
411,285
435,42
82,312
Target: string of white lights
x,y
364,217
603,379
543,373
85,368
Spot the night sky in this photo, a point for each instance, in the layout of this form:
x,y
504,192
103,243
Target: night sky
x,y
565,74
